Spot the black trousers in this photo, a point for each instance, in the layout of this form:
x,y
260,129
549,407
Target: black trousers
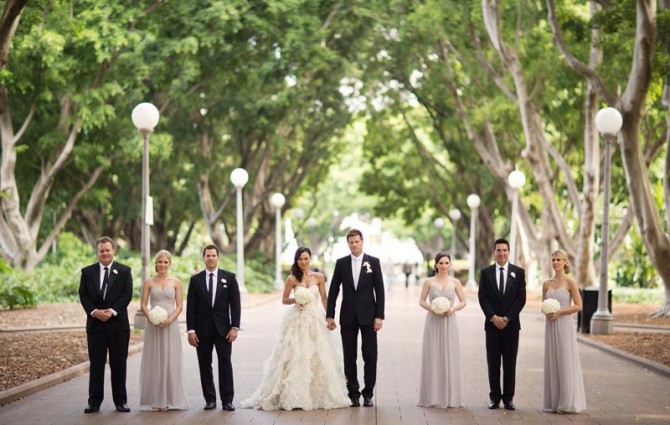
x,y
350,351
206,346
502,345
99,343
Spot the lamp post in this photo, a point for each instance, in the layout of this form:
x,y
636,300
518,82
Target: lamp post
x,y
277,201
473,202
298,214
239,177
439,224
608,123
454,215
145,117
516,180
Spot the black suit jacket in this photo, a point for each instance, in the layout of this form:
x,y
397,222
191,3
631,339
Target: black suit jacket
x,y
366,302
119,294
225,314
508,304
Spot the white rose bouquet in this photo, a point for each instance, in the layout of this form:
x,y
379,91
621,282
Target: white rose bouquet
x,y
440,305
550,305
303,295
157,315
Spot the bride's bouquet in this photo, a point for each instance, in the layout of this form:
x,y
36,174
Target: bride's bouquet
x,y
303,296
550,305
157,315
440,305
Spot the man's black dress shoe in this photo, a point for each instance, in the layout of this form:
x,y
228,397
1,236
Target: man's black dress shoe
x,y
228,406
509,406
367,402
122,408
355,402
91,409
493,405
210,405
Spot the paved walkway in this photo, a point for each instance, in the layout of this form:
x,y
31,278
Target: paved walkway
x,y
618,391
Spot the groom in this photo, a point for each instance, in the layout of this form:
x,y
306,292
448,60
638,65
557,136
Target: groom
x,y
360,276
502,295
213,319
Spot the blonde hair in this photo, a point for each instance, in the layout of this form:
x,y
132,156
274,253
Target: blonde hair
x,y
160,254
563,255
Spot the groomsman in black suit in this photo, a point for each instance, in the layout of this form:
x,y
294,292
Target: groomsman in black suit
x,y
360,276
502,295
105,290
212,320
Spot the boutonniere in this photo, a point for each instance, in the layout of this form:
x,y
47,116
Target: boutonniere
x,y
223,283
223,280
115,271
367,266
512,274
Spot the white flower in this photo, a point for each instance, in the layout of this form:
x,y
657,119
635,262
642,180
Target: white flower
x,y
303,295
223,281
440,305
115,271
157,315
512,274
367,266
550,305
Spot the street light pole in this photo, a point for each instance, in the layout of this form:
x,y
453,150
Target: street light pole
x,y
516,180
439,224
608,123
277,200
239,177
473,202
145,117
454,215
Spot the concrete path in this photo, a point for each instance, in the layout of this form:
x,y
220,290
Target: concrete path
x,y
618,391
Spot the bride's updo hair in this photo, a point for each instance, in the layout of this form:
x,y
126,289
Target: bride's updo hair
x,y
438,257
295,270
563,255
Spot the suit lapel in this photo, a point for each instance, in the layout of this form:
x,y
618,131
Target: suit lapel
x,y
96,280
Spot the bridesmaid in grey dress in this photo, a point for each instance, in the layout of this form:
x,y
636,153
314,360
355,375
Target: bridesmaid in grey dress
x,y
563,380
441,379
161,370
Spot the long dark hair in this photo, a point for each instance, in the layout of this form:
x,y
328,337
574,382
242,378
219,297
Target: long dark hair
x,y
295,270
439,256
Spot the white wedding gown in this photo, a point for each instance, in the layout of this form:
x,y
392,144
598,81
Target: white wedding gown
x,y
304,369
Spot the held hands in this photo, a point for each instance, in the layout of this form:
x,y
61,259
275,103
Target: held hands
x,y
103,315
193,339
330,324
499,322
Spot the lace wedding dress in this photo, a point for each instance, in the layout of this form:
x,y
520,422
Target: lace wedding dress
x,y
304,369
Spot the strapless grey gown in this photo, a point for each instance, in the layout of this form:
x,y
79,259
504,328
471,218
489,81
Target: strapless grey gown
x,y
563,379
161,370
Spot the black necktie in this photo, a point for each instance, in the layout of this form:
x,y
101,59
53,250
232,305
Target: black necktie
x,y
105,279
502,280
211,288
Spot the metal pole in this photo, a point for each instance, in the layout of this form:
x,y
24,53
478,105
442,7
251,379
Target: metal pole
x,y
139,320
278,282
512,233
601,321
240,242
453,249
471,273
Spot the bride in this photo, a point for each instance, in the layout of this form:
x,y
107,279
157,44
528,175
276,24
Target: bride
x,y
304,367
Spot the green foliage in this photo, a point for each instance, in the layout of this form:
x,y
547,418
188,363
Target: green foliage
x,y
634,270
653,296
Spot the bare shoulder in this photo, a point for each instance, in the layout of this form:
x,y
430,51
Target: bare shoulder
x,y
457,283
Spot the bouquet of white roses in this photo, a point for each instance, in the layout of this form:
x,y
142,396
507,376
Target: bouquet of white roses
x,y
157,315
440,305
303,295
550,305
